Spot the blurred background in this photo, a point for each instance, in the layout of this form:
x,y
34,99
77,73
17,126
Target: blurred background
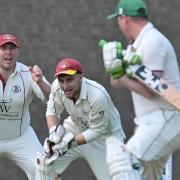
x,y
51,29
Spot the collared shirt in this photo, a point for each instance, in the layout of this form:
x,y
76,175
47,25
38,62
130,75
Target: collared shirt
x,y
157,54
14,102
93,110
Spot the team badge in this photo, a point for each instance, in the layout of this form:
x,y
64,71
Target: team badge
x,y
8,37
101,113
120,11
16,89
65,65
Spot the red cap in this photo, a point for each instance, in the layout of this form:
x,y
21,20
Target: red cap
x,y
8,38
68,66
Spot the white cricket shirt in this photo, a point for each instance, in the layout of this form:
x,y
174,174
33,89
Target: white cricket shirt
x,y
15,98
157,54
93,110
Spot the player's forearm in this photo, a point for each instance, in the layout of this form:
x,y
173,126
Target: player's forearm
x,y
87,136
52,120
80,139
143,90
90,135
133,85
45,88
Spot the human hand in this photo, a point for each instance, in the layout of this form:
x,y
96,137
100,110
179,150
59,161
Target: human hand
x,y
58,149
56,133
131,58
55,136
117,69
47,148
64,144
111,51
36,73
131,61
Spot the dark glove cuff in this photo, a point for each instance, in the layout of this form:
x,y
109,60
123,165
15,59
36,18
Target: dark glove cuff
x,y
73,143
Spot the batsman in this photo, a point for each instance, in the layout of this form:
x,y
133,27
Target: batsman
x,y
157,129
92,118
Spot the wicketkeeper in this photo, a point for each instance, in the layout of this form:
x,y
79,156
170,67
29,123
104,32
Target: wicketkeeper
x,y
92,118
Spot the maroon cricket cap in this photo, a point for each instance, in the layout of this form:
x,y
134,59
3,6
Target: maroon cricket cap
x,y
68,66
8,38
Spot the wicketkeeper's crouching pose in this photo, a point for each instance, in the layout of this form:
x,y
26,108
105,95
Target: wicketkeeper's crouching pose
x,y
92,118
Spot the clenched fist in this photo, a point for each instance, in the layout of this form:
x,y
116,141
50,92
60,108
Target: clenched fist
x,y
36,73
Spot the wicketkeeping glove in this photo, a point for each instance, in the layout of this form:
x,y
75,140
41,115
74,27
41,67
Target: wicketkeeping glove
x,y
55,136
64,144
47,148
56,133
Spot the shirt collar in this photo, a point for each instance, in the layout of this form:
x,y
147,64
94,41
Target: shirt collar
x,y
83,93
17,68
138,40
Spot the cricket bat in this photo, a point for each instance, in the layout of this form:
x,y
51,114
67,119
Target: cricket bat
x,y
161,87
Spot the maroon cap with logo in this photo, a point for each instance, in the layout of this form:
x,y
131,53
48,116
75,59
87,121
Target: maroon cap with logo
x,y
8,38
68,66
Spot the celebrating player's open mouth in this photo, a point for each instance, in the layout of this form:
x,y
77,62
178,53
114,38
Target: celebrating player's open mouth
x,y
8,60
68,93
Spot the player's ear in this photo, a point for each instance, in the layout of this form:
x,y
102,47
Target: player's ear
x,y
30,69
127,19
80,75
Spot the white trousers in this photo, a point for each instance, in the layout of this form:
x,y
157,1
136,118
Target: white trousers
x,y
23,151
156,137
94,153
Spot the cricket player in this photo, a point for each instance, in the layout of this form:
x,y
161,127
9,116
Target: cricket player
x,y
92,118
19,85
157,133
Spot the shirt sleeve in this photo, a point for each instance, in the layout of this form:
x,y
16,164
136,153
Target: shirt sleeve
x,y
90,135
99,119
55,104
154,53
